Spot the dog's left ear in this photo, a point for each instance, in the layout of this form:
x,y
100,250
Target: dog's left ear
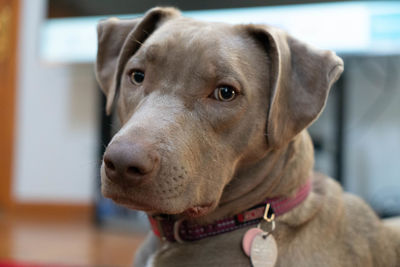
x,y
300,78
118,40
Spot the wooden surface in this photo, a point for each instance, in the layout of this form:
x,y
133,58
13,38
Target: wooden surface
x,y
62,211
73,241
8,59
70,242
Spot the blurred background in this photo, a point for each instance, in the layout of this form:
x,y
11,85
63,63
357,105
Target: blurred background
x,y
54,130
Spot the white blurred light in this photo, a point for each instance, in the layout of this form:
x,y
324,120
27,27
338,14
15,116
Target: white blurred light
x,y
348,27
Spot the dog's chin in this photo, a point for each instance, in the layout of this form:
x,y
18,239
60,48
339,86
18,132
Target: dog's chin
x,y
198,211
120,199
166,207
192,212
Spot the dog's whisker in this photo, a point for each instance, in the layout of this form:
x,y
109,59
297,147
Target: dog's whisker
x,y
137,41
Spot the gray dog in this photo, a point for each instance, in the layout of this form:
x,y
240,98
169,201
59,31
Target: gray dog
x,y
214,142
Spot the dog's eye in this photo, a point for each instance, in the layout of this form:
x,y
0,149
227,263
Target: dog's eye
x,y
225,93
137,77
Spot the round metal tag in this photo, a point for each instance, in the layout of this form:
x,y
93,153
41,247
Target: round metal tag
x,y
248,238
264,251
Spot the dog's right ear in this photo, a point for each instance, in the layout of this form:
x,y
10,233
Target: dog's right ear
x,y
300,78
118,40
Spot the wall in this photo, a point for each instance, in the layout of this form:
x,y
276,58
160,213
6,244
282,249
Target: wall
x,y
371,158
55,159
372,133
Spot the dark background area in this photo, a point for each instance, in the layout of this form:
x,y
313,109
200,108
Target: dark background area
x,y
77,8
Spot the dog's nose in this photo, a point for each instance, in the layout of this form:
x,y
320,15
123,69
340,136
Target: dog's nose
x,y
131,163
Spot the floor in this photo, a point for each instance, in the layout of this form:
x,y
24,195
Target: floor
x,y
69,243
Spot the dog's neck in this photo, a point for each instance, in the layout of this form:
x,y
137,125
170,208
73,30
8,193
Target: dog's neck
x,y
278,174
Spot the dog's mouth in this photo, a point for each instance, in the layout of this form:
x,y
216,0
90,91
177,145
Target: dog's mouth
x,y
198,211
128,203
191,212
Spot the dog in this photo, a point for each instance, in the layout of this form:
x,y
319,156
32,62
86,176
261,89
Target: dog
x,y
214,120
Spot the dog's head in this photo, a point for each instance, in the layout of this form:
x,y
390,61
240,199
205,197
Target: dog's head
x,y
197,102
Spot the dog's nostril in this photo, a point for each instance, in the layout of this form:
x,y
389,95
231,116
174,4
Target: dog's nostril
x,y
109,164
130,163
134,171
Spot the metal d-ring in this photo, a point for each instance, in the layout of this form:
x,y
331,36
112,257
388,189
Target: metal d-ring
x,y
269,219
177,237
269,209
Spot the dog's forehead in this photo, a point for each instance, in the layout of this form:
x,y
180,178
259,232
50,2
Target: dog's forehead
x,y
206,50
185,35
195,30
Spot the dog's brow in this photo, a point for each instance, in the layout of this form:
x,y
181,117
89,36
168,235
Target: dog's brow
x,y
226,73
151,52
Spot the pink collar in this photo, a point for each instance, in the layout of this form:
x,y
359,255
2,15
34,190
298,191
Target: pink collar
x,y
183,231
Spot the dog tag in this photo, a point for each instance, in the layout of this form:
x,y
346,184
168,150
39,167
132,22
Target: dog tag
x,y
264,250
248,239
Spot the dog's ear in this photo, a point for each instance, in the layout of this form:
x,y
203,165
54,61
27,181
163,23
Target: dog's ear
x,y
118,40
300,79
